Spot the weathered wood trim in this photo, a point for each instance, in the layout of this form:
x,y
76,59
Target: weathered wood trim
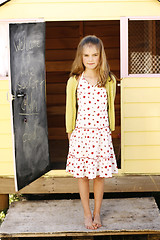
x,y
154,237
4,201
47,185
74,234
82,238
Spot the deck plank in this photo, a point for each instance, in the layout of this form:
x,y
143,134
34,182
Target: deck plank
x,y
65,218
59,182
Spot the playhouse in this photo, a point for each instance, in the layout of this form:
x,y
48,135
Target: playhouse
x,y
130,31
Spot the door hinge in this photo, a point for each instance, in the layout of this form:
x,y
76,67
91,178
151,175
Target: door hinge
x,y
10,97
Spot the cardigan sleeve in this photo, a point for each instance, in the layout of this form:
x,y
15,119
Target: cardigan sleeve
x,y
114,86
111,92
70,105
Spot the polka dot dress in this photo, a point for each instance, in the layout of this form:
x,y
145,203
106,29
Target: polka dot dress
x,y
91,151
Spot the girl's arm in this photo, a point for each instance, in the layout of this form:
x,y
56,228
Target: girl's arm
x,y
69,135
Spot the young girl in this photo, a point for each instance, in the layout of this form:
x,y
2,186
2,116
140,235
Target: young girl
x,y
90,97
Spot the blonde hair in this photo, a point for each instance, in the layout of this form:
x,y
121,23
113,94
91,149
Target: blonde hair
x,y
102,68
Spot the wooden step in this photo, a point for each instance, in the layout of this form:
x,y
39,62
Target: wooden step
x,y
46,218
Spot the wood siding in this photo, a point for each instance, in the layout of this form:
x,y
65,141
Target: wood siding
x,y
141,125
54,10
6,154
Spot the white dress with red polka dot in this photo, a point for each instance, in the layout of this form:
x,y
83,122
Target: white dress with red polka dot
x,y
91,151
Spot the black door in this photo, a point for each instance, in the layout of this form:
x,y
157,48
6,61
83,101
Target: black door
x,y
27,60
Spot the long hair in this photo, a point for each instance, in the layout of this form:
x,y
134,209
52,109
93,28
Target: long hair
x,y
102,68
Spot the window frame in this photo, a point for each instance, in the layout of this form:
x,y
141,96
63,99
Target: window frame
x,y
124,47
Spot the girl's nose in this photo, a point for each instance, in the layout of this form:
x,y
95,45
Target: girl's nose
x,y
90,58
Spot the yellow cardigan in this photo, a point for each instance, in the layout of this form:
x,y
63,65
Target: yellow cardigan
x,y
71,102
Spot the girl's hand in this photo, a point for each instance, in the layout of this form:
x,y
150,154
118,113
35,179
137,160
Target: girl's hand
x,y
69,134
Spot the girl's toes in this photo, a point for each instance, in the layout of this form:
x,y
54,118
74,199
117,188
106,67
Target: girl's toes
x,y
89,224
97,225
97,221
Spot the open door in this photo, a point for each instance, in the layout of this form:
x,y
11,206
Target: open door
x,y
60,54
27,61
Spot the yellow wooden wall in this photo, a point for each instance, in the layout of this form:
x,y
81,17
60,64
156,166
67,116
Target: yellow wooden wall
x,y
56,10
141,125
6,153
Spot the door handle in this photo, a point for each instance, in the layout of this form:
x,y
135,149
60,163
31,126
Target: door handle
x,y
119,82
20,95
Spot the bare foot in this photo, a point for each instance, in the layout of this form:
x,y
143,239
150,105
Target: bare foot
x,y
88,223
97,221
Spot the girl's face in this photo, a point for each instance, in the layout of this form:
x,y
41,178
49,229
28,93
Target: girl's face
x,y
90,56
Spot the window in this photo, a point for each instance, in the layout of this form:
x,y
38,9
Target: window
x,y
140,41
144,47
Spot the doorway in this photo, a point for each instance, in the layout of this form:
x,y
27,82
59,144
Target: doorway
x,y
62,39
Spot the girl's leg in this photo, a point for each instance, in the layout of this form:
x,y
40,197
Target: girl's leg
x,y
83,184
98,197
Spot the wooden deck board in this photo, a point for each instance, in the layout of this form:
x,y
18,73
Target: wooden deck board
x,y
59,184
65,218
